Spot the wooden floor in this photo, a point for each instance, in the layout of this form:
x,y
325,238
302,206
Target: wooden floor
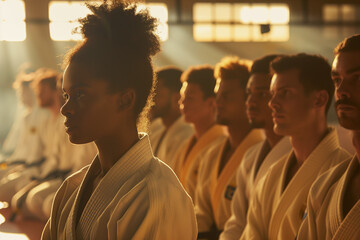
x,y
19,229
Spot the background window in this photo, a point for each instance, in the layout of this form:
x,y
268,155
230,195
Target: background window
x,y
226,22
12,20
341,13
63,17
159,11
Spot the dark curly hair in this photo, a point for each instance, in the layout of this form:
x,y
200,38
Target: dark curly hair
x,y
119,42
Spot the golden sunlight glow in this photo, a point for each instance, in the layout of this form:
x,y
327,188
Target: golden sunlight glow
x,y
279,14
225,22
13,236
203,32
63,17
339,13
202,12
12,20
159,11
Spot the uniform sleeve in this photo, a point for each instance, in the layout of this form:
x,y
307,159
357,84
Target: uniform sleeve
x,y
257,225
239,205
203,208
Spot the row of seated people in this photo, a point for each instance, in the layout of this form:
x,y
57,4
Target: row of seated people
x,y
42,156
249,142
251,137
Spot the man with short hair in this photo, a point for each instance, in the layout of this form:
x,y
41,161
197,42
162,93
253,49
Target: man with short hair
x,y
216,181
262,155
333,203
166,142
198,106
301,95
48,97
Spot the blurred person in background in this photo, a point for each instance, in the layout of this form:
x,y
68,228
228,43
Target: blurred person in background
x,y
216,182
198,106
175,131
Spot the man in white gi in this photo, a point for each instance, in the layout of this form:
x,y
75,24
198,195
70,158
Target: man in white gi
x,y
216,181
59,156
333,207
126,192
47,97
167,141
29,148
198,106
261,156
301,96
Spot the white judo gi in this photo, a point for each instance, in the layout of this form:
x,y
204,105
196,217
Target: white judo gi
x,y
252,168
139,198
166,143
275,211
29,148
12,182
189,156
72,158
325,219
215,190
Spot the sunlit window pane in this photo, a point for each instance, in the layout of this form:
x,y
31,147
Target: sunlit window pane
x,y
260,13
279,33
203,32
341,13
331,13
12,10
223,12
348,13
63,31
13,31
203,12
242,33
12,20
223,32
279,14
243,13
163,31
240,21
63,17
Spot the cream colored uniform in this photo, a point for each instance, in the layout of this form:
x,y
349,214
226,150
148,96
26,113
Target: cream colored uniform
x,y
214,191
139,198
325,219
30,147
252,168
276,213
155,127
72,158
14,181
189,156
177,133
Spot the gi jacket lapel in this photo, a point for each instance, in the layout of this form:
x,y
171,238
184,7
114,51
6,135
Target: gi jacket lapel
x,y
108,187
295,194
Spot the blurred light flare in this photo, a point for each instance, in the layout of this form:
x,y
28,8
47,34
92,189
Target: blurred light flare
x,y
12,20
63,17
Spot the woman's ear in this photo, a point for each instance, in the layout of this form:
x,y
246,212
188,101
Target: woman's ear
x,y
126,99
